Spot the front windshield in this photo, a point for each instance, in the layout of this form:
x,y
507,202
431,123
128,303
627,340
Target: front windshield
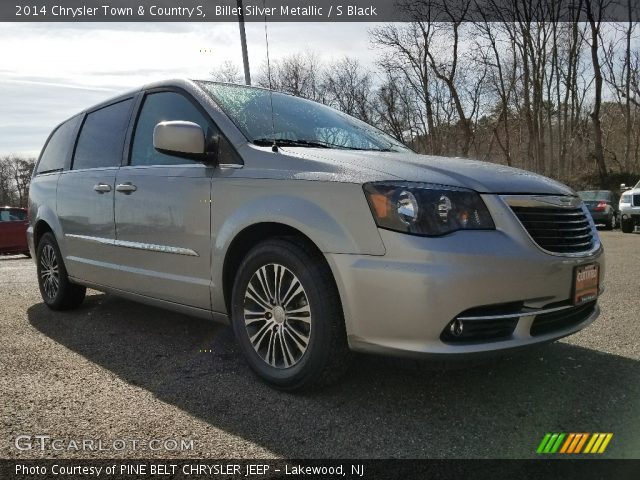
x,y
296,121
595,195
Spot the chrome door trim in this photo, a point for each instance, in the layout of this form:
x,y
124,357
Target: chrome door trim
x,y
230,165
137,245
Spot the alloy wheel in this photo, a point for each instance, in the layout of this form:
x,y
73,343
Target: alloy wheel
x,y
49,273
277,315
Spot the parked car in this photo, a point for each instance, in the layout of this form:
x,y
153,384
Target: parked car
x,y
603,207
630,208
313,233
13,231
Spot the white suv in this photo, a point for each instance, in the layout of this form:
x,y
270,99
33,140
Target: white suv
x,y
630,209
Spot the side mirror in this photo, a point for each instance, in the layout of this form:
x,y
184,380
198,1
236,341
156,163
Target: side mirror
x,y
623,187
185,139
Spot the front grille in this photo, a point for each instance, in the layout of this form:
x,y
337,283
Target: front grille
x,y
558,230
636,200
549,322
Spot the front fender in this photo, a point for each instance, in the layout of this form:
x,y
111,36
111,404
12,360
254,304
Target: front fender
x,y
335,216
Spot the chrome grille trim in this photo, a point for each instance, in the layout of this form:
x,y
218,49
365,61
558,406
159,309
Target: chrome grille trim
x,y
566,220
525,312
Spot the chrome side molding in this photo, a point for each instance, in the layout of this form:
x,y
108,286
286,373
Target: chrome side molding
x,y
137,245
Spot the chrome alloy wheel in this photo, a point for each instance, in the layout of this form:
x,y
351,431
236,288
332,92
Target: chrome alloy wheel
x,y
277,315
49,273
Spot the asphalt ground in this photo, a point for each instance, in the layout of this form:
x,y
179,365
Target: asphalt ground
x,y
118,370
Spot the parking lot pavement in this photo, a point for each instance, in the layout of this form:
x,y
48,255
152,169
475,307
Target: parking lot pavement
x,y
114,369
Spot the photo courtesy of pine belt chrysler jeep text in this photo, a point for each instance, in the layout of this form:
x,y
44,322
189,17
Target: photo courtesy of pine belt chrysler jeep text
x,y
311,232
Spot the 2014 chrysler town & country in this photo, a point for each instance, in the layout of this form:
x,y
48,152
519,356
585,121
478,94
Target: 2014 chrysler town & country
x,y
312,232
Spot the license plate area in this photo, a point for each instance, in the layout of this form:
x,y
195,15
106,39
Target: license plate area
x,y
586,279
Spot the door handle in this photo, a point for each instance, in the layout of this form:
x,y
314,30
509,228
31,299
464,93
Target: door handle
x,y
102,187
126,188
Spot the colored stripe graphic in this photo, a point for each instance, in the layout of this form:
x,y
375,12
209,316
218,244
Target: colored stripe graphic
x,y
607,439
550,443
574,443
590,444
543,443
556,446
567,443
581,443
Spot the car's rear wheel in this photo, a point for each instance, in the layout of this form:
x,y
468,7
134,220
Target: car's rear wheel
x,y
611,223
287,315
627,226
57,291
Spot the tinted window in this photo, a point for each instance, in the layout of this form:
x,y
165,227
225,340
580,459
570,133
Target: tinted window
x,y
18,215
12,215
595,195
56,152
161,107
102,137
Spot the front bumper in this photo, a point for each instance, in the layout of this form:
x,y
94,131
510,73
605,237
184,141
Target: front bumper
x,y
401,303
628,212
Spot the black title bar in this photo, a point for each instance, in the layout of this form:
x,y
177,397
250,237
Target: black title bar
x,y
318,10
258,469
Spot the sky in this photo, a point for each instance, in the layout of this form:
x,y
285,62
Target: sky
x,y
50,71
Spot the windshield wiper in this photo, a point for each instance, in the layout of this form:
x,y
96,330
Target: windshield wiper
x,y
285,142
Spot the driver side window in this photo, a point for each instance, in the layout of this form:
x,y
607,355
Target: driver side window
x,y
156,108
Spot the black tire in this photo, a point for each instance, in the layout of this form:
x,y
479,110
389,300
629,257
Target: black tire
x,y
611,223
627,226
327,355
58,293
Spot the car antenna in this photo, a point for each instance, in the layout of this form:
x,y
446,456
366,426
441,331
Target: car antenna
x,y
274,147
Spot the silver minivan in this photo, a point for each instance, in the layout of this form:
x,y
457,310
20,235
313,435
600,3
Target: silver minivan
x,y
312,233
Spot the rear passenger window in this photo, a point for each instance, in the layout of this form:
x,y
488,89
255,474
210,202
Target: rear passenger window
x,y
18,215
56,151
161,107
102,137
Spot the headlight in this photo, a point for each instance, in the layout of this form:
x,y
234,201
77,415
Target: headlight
x,y
426,209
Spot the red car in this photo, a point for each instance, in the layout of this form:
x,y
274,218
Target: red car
x,y
13,231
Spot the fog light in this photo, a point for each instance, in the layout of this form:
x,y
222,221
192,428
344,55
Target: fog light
x,y
456,328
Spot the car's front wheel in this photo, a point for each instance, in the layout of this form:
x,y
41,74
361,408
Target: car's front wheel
x,y
57,291
627,226
287,315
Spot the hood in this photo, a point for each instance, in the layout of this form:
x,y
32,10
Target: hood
x,y
482,177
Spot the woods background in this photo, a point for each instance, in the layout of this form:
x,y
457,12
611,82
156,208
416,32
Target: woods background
x,y
557,97
549,86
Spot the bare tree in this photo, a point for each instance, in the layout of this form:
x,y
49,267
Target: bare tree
x,y
228,72
15,177
594,11
348,87
298,74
